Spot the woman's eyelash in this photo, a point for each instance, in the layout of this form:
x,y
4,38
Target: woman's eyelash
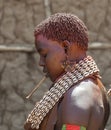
x,y
44,55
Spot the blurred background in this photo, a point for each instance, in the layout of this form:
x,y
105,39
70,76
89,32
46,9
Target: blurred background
x,y
19,70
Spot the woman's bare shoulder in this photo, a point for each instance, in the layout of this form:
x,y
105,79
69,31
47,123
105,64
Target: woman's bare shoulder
x,y
85,90
79,101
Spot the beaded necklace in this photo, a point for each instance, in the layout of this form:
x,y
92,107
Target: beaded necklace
x,y
83,69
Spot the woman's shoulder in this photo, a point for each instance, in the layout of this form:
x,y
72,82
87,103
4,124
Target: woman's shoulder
x,y
79,101
86,92
86,87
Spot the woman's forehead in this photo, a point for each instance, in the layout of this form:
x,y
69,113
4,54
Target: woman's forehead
x,y
41,38
41,46
42,41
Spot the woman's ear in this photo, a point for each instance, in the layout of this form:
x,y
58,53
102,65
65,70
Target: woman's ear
x,y
66,44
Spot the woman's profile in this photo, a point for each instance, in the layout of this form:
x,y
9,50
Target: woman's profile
x,y
77,99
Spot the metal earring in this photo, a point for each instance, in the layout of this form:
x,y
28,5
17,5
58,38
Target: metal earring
x,y
68,65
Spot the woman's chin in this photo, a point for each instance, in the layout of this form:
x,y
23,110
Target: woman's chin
x,y
50,77
54,78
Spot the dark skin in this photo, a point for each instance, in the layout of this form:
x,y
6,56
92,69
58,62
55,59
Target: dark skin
x,y
82,104
53,53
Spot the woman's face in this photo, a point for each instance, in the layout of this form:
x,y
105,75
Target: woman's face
x,y
52,55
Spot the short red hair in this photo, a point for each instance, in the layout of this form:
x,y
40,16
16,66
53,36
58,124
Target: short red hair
x,y
64,26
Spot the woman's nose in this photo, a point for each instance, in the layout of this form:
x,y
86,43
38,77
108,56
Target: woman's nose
x,y
42,61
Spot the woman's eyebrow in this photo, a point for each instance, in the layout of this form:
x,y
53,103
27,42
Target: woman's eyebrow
x,y
39,50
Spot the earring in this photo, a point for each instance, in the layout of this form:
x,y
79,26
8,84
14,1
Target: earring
x,y
68,65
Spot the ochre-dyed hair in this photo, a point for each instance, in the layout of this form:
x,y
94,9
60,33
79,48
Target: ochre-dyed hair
x,y
64,26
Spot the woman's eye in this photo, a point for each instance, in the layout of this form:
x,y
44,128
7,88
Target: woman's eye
x,y
44,56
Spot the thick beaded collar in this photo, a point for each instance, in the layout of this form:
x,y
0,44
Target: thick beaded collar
x,y
83,69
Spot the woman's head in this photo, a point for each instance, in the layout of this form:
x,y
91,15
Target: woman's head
x,y
64,26
62,37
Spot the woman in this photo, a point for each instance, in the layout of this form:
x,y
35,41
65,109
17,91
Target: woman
x,y
77,99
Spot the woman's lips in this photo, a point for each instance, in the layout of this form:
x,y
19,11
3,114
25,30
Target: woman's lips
x,y
46,73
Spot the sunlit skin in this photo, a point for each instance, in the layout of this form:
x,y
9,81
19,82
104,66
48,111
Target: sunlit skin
x,y
82,104
52,54
63,38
